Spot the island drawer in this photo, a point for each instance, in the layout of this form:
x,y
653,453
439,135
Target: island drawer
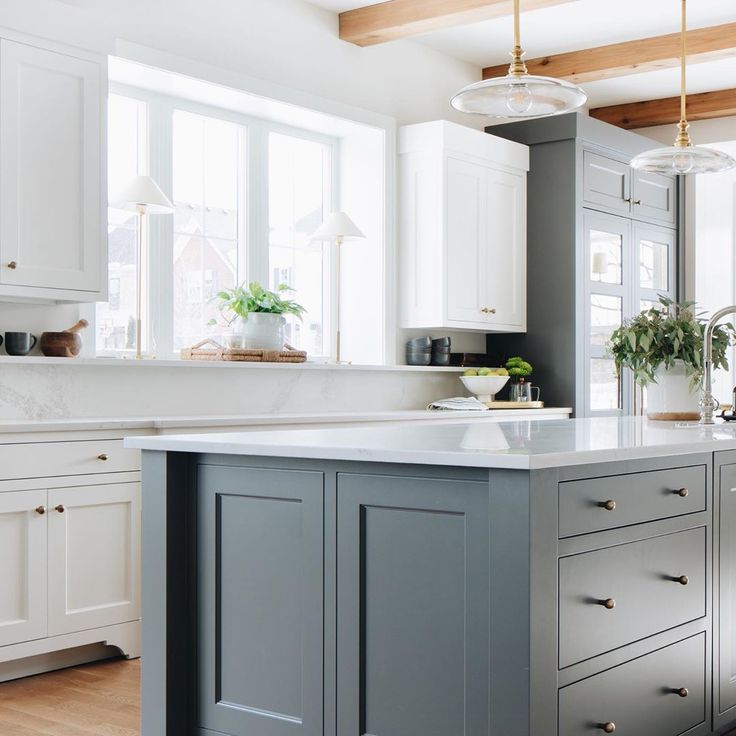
x,y
45,459
614,596
661,693
595,504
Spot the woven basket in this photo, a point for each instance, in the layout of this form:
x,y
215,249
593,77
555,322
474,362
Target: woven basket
x,y
241,355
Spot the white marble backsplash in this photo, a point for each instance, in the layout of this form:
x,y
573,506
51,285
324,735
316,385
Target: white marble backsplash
x,y
38,392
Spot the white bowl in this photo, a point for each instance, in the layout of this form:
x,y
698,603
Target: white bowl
x,y
484,387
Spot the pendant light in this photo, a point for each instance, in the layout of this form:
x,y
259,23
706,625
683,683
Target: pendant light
x,y
683,157
519,94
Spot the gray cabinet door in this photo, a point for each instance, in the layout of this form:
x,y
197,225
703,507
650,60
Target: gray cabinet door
x,y
606,183
654,198
725,666
413,606
260,553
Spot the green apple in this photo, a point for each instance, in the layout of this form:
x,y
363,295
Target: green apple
x,y
484,371
471,372
501,372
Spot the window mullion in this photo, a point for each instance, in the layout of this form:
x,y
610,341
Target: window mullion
x,y
257,256
161,229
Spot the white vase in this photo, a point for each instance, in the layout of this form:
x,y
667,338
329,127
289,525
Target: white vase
x,y
262,331
672,397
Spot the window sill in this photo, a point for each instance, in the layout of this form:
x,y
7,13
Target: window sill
x,y
227,365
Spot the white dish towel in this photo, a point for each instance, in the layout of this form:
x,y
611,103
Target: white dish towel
x,y
459,403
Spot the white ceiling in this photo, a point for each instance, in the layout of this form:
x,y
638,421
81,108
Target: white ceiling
x,y
584,24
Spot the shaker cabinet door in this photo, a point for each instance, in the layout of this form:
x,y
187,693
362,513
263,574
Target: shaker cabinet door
x,y
467,254
606,183
654,198
94,556
260,557
725,635
51,169
413,613
23,571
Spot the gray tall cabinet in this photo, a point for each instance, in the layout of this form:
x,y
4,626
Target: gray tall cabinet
x,y
602,245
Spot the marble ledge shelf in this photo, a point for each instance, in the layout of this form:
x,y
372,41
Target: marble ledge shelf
x,y
148,363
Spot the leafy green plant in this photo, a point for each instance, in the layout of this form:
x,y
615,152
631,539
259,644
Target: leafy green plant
x,y
666,333
518,368
240,301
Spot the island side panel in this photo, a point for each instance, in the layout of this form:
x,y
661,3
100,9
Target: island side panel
x,y
166,597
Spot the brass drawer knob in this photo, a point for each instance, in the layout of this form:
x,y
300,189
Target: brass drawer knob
x,y
59,508
608,505
488,310
682,492
683,579
41,510
12,265
609,603
609,727
102,456
637,201
683,692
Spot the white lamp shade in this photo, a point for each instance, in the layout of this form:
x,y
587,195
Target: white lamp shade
x,y
338,225
142,190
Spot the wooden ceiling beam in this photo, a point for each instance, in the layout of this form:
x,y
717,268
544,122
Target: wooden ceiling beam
x,y
631,57
395,19
704,106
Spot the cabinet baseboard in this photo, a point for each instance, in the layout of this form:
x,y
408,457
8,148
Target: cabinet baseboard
x,y
45,655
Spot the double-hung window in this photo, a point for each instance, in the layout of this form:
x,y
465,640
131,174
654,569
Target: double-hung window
x,y
247,193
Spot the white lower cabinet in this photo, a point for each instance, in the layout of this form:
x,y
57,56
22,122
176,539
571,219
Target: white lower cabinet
x,y
94,556
23,552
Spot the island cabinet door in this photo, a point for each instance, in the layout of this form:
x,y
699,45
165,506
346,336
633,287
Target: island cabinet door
x,y
725,652
260,557
412,606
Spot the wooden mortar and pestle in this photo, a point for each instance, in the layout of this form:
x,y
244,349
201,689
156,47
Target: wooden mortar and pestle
x,y
66,344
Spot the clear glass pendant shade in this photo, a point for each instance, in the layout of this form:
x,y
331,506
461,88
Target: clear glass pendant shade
x,y
683,160
519,96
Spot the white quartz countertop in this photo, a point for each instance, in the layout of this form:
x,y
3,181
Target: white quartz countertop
x,y
522,444
241,420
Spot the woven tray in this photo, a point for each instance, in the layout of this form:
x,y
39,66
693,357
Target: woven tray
x,y
218,352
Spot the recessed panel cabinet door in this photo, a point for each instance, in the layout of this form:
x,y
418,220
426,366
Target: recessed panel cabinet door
x,y
260,550
606,183
466,241
654,197
51,127
505,260
413,602
94,556
23,569
725,663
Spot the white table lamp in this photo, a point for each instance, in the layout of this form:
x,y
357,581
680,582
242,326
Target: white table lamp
x,y
338,228
146,197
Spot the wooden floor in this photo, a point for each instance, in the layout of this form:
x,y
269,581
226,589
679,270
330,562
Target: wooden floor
x,y
100,699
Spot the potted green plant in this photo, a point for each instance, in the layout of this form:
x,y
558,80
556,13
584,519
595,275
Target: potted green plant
x,y
257,314
663,348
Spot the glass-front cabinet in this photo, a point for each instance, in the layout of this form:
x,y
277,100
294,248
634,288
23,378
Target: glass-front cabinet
x,y
628,265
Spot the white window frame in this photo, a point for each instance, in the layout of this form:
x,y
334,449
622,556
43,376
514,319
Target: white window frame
x,y
253,240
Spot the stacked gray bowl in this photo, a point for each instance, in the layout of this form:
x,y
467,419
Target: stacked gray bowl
x,y
419,351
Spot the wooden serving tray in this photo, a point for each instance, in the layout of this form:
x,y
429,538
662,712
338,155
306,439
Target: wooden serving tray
x,y
515,404
241,355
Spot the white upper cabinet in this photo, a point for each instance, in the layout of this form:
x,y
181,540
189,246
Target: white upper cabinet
x,y
52,173
462,228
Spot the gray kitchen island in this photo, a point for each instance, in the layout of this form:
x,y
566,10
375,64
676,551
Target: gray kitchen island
x,y
525,578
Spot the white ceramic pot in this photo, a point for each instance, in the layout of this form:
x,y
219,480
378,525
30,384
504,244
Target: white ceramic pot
x,y
262,331
672,397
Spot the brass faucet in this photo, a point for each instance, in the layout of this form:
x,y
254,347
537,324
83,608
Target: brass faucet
x,y
708,404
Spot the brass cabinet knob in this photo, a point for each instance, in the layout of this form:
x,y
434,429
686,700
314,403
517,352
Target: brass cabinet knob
x,y
683,692
488,310
637,201
12,265
609,603
59,508
609,727
627,200
683,579
682,492
608,505
41,510
102,456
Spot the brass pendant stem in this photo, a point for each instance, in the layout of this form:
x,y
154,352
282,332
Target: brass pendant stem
x,y
683,136
518,67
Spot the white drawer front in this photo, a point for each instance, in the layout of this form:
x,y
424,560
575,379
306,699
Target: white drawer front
x,y
46,459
